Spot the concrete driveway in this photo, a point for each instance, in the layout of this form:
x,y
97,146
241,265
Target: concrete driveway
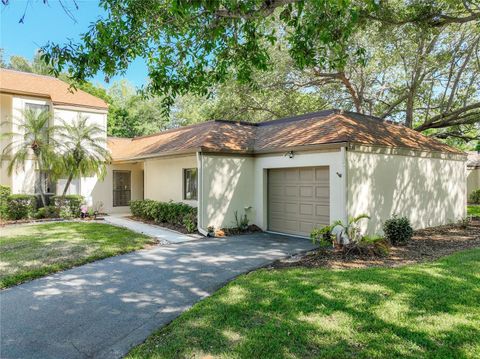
x,y
103,309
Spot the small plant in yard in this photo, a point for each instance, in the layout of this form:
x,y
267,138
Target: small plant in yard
x,y
351,230
475,196
323,236
47,212
398,230
241,222
463,223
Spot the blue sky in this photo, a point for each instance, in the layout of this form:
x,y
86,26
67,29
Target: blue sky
x,y
45,23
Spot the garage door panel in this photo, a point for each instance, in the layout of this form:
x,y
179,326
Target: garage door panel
x,y
291,191
306,227
275,176
306,191
322,174
291,174
321,210
306,209
307,174
298,199
291,208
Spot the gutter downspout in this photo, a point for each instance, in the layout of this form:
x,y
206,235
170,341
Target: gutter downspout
x,y
200,228
343,150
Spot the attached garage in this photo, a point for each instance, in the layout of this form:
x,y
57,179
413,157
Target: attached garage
x,y
293,174
298,199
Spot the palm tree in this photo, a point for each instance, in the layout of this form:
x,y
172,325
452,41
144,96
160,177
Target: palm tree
x,y
83,148
34,141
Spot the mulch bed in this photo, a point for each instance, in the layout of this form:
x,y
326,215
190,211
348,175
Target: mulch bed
x,y
426,245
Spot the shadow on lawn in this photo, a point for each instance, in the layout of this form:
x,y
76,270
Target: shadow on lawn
x,y
431,310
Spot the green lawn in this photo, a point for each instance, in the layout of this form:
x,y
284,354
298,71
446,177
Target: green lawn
x,y
32,251
473,210
422,311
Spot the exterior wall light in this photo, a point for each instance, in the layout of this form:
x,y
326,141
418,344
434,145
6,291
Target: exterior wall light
x,y
289,154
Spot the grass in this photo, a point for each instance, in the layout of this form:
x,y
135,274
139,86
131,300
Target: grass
x,y
32,251
473,210
423,311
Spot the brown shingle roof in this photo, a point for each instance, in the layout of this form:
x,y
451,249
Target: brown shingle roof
x,y
24,83
325,127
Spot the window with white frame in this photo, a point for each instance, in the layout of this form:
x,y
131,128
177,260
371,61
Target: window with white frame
x,y
190,183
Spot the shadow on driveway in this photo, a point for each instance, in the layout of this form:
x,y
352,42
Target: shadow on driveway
x,y
103,309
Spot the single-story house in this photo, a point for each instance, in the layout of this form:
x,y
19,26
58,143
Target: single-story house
x,y
473,172
287,175
292,174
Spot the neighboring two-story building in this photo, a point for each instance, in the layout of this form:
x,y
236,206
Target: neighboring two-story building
x,y
20,91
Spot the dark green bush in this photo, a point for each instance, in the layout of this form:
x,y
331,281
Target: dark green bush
x,y
68,204
475,197
179,214
398,230
4,193
21,206
47,212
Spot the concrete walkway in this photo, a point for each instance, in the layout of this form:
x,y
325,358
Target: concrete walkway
x,y
103,309
164,235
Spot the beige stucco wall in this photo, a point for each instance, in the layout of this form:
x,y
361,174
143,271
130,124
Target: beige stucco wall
x,y
164,178
227,187
473,180
429,191
96,191
333,158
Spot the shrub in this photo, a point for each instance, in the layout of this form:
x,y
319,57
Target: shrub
x,y
398,230
475,196
69,205
166,212
47,212
190,222
4,193
21,206
322,236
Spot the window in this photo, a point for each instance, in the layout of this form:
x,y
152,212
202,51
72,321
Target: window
x,y
36,107
190,183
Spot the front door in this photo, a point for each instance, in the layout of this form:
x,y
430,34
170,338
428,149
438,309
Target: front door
x,y
121,188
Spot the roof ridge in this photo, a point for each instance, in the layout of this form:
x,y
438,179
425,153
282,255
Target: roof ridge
x,y
31,74
173,129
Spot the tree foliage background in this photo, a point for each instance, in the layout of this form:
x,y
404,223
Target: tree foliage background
x,y
413,62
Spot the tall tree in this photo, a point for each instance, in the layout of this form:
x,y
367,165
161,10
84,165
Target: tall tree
x,y
32,137
83,149
190,46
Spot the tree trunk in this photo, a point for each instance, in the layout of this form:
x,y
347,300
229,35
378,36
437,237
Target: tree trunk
x,y
42,195
69,180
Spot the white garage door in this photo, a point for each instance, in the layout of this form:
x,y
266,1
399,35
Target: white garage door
x,y
298,199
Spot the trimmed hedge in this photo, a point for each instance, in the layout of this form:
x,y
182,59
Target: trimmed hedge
x,y
21,206
4,193
69,205
178,214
